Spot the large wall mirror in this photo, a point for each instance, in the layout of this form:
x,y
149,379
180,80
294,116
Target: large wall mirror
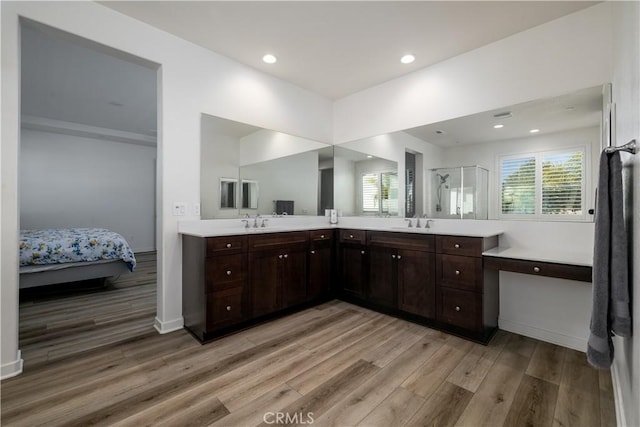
x,y
533,161
268,171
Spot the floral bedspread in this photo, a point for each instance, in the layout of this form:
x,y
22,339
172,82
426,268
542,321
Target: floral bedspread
x,y
55,246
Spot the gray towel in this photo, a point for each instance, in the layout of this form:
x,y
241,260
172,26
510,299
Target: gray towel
x,y
610,312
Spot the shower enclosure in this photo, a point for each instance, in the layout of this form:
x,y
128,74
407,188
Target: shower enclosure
x,y
459,192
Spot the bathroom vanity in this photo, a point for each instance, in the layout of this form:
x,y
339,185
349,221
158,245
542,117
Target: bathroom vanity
x,y
233,281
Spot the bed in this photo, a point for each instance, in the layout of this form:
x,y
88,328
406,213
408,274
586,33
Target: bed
x,y
54,256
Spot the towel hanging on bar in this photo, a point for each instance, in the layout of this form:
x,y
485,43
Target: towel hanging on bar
x,y
610,314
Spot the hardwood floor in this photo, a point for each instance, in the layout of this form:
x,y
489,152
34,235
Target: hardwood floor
x,y
336,365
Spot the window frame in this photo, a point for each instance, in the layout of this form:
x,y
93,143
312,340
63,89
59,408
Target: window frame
x,y
538,175
379,173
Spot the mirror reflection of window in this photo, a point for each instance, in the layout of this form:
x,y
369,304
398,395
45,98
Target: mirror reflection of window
x,y
249,194
380,193
228,190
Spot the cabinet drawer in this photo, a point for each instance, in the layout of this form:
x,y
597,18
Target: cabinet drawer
x,y
454,245
408,241
581,273
225,271
320,235
224,308
353,236
226,245
459,272
460,308
273,241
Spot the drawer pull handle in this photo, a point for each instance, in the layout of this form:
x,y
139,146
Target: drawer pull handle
x,y
536,269
351,236
458,308
457,246
280,256
457,272
362,252
322,236
286,256
228,308
399,257
228,272
228,245
393,256
313,252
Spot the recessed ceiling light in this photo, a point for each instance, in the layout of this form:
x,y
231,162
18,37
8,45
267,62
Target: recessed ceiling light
x,y
269,59
498,126
440,132
407,59
503,115
369,157
534,130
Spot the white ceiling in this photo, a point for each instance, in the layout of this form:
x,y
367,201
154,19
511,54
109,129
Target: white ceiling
x,y
337,48
334,48
571,111
63,79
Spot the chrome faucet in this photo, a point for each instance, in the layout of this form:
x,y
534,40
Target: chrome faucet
x,y
410,223
418,222
255,221
264,220
428,224
246,223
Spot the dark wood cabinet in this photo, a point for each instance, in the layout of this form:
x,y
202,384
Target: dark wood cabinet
x,y
352,264
321,265
401,272
277,271
214,291
467,294
232,282
416,283
382,284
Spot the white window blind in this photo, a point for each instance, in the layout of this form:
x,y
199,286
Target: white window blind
x,y
562,183
380,192
370,192
518,176
541,185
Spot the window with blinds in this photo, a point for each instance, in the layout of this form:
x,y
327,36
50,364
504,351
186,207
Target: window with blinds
x,y
543,184
380,192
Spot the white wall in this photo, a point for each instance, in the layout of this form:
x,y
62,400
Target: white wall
x,y
219,158
344,192
486,155
191,81
569,53
69,181
288,178
626,96
267,145
393,146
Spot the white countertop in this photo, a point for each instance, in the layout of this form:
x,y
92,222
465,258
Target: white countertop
x,y
214,228
546,255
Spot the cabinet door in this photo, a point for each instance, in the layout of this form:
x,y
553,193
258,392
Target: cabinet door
x,y
382,277
294,278
264,273
352,270
416,283
319,271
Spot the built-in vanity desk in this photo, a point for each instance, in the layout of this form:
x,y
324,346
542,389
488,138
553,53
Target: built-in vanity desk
x,y
559,264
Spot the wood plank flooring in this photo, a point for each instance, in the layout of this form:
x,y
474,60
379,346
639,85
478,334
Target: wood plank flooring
x,y
336,364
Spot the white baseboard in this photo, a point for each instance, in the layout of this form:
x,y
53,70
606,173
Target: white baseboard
x,y
12,369
621,416
553,337
170,326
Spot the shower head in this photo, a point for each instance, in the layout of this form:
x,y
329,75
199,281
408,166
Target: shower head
x,y
443,179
